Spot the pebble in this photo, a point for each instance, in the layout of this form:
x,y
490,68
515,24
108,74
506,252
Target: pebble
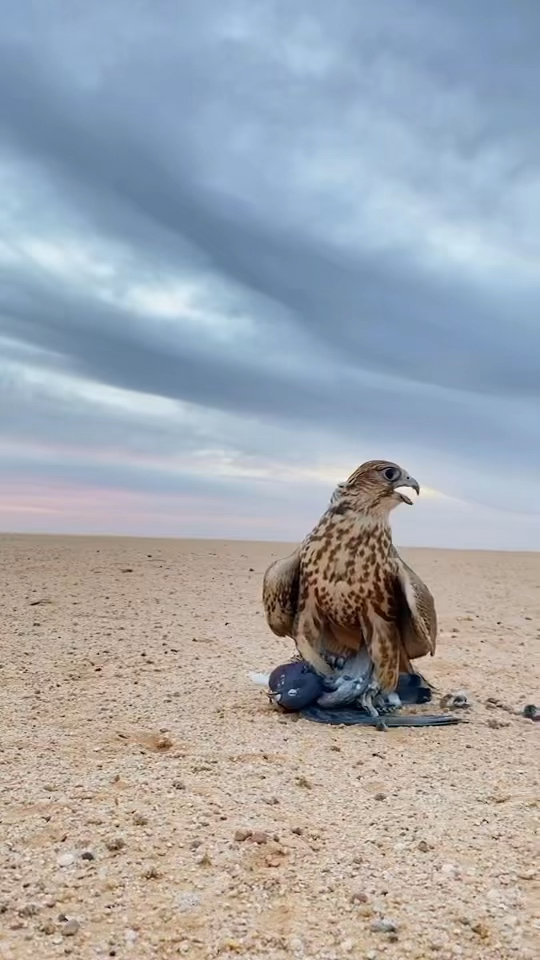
x,y
358,897
450,871
116,843
384,925
423,846
381,796
70,928
481,930
259,837
187,901
204,860
66,859
241,835
163,742
29,910
456,701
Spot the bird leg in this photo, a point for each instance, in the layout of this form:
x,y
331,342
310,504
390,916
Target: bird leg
x,y
352,682
378,703
349,681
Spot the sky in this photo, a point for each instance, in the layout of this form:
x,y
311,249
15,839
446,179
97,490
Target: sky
x,y
246,245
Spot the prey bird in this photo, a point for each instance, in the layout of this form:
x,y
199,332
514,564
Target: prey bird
x,y
356,611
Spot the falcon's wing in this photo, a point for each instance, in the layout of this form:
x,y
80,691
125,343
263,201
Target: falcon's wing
x,y
281,584
417,614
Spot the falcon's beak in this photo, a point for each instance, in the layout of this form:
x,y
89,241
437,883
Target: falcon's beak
x,y
406,481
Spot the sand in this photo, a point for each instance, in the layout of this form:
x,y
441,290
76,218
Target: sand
x,y
136,756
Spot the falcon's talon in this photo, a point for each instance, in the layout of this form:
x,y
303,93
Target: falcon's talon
x,y
345,690
337,663
370,694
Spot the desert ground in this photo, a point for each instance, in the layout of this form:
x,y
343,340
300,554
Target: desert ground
x,y
154,805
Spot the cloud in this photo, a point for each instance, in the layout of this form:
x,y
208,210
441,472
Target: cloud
x,y
246,247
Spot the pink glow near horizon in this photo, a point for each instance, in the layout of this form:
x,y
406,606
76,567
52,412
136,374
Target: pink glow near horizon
x,y
28,507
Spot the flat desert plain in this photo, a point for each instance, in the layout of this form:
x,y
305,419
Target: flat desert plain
x,y
153,805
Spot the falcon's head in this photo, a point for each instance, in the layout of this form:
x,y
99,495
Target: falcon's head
x,y
376,487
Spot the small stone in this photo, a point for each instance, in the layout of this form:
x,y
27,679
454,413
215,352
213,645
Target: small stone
x,y
495,724
456,701
163,742
179,785
115,844
304,782
348,945
384,925
187,901
259,837
364,910
358,897
140,820
66,859
480,929
151,873
87,855
204,860
381,796
70,928
423,846
29,910
241,835
450,871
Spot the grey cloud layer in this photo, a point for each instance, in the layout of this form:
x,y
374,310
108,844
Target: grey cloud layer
x,y
254,145
382,312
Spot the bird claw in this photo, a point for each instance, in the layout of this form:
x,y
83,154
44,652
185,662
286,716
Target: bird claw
x,y
387,703
366,700
337,663
339,691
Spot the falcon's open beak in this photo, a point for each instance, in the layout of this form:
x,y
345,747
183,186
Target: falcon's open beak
x,y
406,481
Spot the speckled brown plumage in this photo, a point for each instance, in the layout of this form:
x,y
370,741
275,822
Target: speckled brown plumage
x,y
346,587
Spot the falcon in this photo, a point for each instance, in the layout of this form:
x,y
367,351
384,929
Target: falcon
x,y
358,614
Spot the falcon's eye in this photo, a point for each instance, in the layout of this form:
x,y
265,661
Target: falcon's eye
x,y
391,473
